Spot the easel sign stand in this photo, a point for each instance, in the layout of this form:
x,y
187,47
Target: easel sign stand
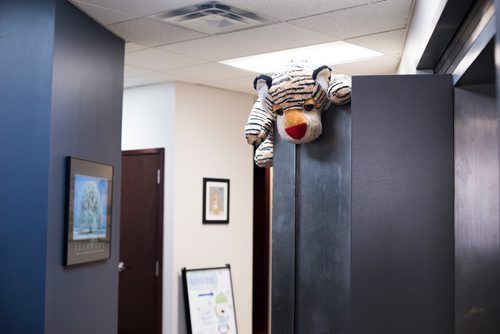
x,y
209,301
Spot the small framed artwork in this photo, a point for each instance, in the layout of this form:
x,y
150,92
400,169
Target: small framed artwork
x,y
209,300
215,201
89,189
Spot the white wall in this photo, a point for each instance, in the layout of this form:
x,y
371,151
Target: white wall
x,y
149,122
425,16
148,116
201,129
209,124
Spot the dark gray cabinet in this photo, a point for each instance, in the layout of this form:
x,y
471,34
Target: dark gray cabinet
x,y
477,243
363,217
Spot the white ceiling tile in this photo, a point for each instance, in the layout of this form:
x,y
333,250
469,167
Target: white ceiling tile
x,y
389,43
288,10
248,42
278,9
143,7
209,48
274,37
132,47
190,56
359,21
379,65
210,72
102,15
160,60
148,79
246,81
242,84
131,71
231,87
151,32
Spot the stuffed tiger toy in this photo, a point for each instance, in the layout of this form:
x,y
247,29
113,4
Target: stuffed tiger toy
x,y
259,133
294,98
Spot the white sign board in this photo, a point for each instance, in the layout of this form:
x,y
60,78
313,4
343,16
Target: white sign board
x,y
208,294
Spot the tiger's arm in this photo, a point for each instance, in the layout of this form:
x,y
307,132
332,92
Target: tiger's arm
x,y
339,89
259,124
259,133
264,153
259,127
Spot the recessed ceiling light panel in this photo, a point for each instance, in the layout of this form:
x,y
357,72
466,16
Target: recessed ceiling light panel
x,y
213,18
316,55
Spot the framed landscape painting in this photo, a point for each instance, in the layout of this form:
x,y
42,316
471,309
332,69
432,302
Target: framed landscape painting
x,y
89,189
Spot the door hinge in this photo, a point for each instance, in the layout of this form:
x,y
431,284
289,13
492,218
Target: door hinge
x,y
157,268
158,176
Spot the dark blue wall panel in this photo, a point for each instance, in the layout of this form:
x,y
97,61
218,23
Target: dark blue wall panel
x,y
60,94
26,46
86,122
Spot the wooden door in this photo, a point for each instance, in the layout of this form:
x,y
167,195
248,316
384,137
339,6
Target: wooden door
x,y
141,242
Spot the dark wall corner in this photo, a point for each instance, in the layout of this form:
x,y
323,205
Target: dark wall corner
x,y
86,113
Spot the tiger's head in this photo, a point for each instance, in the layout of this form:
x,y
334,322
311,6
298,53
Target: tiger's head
x,y
295,98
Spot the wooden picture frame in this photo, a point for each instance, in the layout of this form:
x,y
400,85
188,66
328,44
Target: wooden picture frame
x,y
89,193
215,201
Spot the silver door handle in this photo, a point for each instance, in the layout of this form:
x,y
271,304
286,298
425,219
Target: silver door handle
x,y
121,267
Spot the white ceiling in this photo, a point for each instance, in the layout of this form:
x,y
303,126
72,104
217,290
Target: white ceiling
x,y
157,51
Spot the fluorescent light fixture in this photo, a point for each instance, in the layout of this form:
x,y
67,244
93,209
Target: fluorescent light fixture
x,y
316,55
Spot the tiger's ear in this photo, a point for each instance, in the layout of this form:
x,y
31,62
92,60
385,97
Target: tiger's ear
x,y
261,84
262,80
322,76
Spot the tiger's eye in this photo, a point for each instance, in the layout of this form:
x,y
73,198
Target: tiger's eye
x,y
309,105
278,110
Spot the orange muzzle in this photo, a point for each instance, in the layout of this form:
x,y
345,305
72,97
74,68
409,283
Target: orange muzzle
x,y
295,123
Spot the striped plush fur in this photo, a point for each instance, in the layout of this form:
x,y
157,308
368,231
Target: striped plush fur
x,y
339,91
292,86
259,124
259,132
294,99
264,153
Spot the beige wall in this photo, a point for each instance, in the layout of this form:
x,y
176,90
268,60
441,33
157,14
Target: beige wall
x,y
201,129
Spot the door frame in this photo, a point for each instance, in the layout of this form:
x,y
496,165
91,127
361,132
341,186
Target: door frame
x,y
159,225
261,250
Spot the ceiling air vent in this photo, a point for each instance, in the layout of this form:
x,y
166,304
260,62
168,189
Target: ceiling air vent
x,y
212,18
